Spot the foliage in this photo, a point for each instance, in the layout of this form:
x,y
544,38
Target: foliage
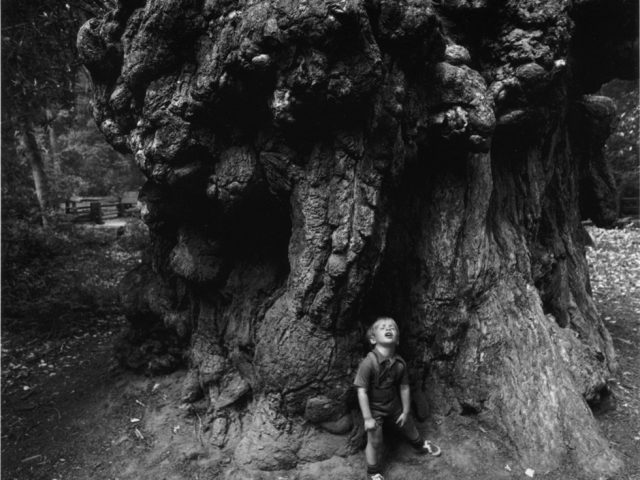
x,y
40,70
623,146
89,166
39,59
64,277
18,197
86,166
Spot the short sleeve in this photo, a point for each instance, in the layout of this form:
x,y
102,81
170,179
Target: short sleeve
x,y
364,374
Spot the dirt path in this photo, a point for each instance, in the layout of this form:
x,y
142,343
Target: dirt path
x,y
85,421
52,421
68,413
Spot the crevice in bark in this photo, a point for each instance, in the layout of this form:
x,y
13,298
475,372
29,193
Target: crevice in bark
x,y
603,401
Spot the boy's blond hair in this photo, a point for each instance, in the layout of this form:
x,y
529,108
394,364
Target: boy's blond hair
x,y
377,321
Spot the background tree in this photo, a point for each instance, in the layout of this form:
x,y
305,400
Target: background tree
x,y
311,165
621,148
87,165
39,69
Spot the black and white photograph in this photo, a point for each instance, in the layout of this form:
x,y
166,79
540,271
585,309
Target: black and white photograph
x,y
320,240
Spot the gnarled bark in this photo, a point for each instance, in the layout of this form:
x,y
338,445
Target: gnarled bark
x,y
312,165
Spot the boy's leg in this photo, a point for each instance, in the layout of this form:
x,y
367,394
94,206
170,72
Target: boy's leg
x,y
410,431
372,451
416,440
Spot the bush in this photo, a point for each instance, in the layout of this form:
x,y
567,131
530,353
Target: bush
x,y
24,244
134,235
62,278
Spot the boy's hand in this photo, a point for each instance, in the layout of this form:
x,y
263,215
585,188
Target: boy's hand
x,y
401,420
370,424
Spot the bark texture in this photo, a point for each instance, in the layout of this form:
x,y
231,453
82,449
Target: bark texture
x,y
314,164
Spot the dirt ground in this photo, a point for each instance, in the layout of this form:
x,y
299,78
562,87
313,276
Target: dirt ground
x,y
70,413
615,279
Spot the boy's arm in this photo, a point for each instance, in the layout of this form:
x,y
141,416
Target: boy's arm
x,y
363,400
405,398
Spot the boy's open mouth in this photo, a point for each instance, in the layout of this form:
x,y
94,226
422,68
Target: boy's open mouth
x,y
389,334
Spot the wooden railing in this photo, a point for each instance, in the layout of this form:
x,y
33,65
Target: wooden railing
x,y
97,211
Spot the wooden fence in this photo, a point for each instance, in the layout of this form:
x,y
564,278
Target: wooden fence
x,y
99,209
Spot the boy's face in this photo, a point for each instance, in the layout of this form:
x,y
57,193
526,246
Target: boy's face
x,y
385,332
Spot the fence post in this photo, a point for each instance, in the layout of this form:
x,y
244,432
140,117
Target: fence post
x,y
95,213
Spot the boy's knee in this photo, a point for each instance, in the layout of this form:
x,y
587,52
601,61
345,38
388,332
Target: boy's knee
x,y
376,444
375,438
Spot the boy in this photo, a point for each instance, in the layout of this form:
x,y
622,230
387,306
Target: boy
x,y
381,376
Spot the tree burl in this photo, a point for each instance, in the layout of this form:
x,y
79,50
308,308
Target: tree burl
x,y
313,164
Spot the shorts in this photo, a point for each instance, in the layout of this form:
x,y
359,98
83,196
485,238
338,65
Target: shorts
x,y
408,430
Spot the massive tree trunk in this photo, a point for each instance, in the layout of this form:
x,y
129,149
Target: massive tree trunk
x,y
314,164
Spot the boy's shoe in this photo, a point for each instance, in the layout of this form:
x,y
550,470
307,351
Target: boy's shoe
x,y
376,476
430,448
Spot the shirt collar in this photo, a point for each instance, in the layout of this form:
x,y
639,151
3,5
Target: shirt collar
x,y
381,358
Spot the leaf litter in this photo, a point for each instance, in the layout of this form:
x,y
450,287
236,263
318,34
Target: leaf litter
x,y
614,268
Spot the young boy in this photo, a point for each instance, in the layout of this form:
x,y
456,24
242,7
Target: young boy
x,y
384,396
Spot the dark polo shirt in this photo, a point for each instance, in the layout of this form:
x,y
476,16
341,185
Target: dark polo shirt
x,y
381,377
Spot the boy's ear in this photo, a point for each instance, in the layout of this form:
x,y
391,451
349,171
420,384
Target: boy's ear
x,y
372,340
